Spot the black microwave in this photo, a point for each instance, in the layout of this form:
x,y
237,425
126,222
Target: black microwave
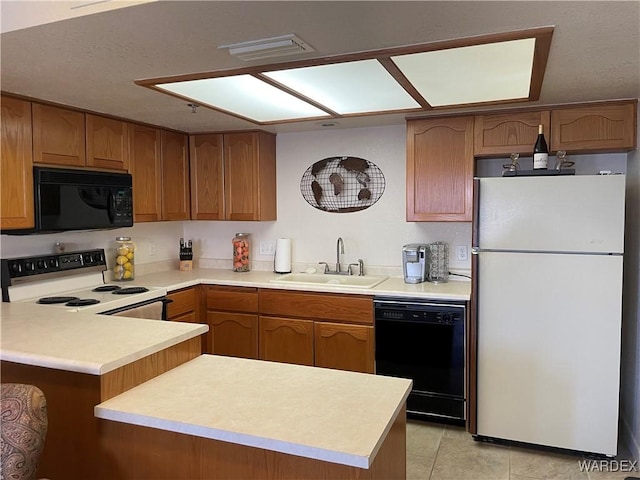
x,y
68,199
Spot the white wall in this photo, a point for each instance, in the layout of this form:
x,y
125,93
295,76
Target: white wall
x,y
376,234
630,371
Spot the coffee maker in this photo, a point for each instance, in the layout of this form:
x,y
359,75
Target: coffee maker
x,y
414,262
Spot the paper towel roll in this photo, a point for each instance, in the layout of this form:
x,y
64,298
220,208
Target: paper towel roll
x,y
282,259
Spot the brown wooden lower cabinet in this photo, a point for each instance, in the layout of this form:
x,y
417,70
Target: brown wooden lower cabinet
x,y
233,334
288,340
143,453
345,347
73,447
186,306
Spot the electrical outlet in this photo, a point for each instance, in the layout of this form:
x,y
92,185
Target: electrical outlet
x,y
463,253
267,248
152,248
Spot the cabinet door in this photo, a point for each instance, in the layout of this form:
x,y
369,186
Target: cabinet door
x,y
506,133
345,347
146,170
241,176
16,182
286,340
207,180
233,334
107,143
58,136
175,176
594,128
440,169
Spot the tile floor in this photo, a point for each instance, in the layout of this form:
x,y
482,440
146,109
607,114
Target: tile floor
x,y
443,452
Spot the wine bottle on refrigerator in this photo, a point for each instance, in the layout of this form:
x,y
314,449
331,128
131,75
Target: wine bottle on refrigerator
x,y
540,152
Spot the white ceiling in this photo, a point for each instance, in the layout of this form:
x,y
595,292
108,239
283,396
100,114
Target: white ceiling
x,y
91,61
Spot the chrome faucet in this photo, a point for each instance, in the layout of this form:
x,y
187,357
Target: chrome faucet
x,y
339,250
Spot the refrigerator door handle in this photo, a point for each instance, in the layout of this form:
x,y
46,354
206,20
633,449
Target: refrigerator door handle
x,y
475,226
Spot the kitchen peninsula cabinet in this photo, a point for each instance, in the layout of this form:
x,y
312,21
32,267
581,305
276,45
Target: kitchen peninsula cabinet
x,y
232,316
146,172
440,169
16,182
107,143
601,127
321,329
185,306
175,176
58,136
502,134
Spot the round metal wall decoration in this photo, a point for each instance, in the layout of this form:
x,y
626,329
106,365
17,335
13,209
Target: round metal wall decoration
x,y
342,184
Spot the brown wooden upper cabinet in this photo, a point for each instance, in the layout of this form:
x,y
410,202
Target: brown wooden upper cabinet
x,y
107,143
250,176
58,136
233,176
592,128
207,176
175,176
502,134
16,181
440,169
146,171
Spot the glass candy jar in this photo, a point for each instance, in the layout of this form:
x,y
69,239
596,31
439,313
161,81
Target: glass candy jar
x,y
125,257
241,247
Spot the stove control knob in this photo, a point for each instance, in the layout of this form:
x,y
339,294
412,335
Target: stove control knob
x,y
29,266
15,268
53,262
87,258
41,264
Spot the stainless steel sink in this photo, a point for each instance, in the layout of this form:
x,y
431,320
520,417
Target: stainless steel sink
x,y
366,281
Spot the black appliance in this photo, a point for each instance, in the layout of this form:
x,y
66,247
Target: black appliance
x,y
66,199
425,342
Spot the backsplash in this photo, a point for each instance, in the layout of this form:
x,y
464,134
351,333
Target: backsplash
x,y
376,235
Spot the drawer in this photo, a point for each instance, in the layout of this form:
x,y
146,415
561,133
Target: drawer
x,y
234,299
184,301
317,306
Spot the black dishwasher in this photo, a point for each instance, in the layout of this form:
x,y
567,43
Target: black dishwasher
x,y
424,341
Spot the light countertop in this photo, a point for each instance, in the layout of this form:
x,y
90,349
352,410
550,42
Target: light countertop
x,y
392,286
83,342
331,415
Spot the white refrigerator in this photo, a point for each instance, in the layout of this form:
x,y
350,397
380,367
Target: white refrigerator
x,y
547,261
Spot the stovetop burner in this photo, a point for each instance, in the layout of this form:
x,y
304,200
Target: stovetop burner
x,y
130,290
106,288
54,300
82,302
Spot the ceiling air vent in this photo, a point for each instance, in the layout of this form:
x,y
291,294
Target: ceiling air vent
x,y
269,48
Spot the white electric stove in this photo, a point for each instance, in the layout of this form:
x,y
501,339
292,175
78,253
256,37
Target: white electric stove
x,y
73,281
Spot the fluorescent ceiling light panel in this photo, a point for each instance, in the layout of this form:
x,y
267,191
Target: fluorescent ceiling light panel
x,y
475,74
348,88
246,96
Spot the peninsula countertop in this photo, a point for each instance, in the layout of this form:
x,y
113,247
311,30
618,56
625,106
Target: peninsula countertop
x,y
331,415
391,287
84,342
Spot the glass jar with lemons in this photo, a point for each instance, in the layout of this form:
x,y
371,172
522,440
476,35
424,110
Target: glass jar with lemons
x,y
125,256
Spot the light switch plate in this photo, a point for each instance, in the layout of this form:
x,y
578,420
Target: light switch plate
x,y
267,248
